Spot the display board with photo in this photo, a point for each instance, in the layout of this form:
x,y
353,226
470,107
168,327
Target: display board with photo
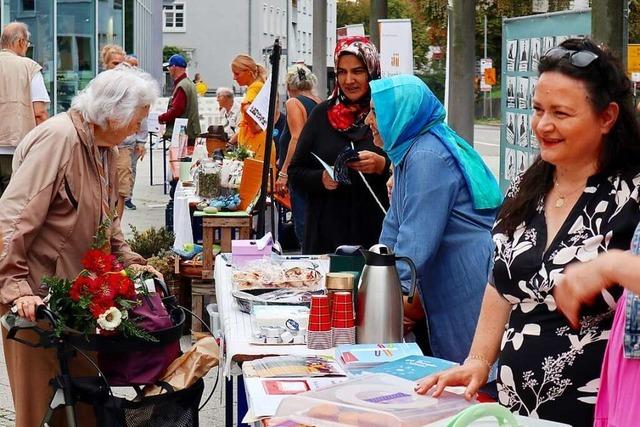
x,y
536,49
512,53
525,41
511,128
523,55
522,93
548,42
509,163
533,81
511,92
522,161
522,130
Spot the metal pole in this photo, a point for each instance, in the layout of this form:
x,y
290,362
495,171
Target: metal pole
x,y
484,94
262,201
485,36
151,158
319,45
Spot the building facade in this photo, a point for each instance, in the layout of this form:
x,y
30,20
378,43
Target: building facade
x,y
143,35
213,32
66,37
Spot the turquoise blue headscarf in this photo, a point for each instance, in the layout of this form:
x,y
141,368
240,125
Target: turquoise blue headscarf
x,y
405,109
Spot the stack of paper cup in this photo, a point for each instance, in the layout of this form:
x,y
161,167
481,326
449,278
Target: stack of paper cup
x,y
319,329
342,319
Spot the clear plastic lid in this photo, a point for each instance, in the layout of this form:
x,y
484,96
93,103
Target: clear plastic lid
x,y
379,400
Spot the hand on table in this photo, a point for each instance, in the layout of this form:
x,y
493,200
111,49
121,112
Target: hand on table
x,y
368,162
473,374
27,305
328,183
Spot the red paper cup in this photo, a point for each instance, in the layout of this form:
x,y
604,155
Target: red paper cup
x,y
342,310
319,315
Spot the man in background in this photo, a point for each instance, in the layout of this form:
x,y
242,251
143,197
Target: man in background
x,y
23,96
230,110
183,102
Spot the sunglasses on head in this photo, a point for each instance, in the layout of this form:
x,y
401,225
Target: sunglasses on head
x,y
577,58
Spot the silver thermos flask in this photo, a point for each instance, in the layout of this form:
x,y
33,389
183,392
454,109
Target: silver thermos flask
x,y
379,311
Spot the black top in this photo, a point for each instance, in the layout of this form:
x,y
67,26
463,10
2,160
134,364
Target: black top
x,y
546,368
348,215
278,132
283,144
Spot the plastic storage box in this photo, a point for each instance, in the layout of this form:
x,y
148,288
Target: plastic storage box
x,y
379,400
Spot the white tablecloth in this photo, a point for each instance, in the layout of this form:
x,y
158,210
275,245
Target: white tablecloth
x,y
181,215
236,325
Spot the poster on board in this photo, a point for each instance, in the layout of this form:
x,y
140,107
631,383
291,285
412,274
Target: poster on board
x,y
511,128
396,47
511,92
523,55
512,51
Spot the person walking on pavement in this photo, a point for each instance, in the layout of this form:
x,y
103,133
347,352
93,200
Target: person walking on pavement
x,y
137,142
23,95
183,102
114,56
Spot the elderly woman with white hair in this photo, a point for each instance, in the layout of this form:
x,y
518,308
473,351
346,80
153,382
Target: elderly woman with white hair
x,y
62,189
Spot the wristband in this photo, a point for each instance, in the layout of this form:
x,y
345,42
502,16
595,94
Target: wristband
x,y
282,175
480,358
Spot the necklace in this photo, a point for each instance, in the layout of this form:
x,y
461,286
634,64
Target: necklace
x,y
563,196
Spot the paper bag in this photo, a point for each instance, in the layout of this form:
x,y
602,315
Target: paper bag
x,y
195,363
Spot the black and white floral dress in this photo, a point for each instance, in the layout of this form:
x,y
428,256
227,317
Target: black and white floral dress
x,y
546,370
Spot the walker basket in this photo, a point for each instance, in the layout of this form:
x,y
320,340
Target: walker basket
x,y
172,409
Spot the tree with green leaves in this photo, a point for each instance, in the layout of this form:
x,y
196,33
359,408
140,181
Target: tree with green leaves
x,y
167,51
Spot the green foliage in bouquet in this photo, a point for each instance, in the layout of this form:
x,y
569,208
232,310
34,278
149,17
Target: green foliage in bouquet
x,y
151,242
241,153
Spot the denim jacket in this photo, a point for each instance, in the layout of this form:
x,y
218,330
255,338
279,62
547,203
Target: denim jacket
x,y
632,312
432,221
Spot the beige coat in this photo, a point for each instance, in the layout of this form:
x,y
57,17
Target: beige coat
x,y
16,108
52,207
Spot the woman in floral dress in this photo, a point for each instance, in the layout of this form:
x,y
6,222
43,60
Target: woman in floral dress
x,y
581,197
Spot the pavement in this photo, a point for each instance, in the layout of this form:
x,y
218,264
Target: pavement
x,y
150,201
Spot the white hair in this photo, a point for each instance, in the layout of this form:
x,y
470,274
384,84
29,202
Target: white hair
x,y
116,94
224,91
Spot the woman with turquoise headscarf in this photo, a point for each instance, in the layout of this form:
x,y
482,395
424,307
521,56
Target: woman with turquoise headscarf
x,y
443,206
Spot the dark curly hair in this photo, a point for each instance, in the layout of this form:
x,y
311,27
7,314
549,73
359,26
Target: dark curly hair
x,y
606,82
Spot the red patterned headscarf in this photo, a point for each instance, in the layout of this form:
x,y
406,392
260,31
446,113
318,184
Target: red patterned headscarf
x,y
344,115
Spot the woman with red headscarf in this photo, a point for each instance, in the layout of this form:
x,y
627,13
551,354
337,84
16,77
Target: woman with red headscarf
x,y
348,207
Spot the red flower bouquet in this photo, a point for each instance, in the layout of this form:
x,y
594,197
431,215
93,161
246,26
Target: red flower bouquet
x,y
98,300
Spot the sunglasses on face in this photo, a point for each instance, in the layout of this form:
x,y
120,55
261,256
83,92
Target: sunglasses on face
x,y
577,58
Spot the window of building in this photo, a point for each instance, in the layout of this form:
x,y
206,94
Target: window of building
x,y
28,5
174,19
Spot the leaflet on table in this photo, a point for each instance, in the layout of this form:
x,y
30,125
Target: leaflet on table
x,y
414,367
363,356
265,394
293,366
